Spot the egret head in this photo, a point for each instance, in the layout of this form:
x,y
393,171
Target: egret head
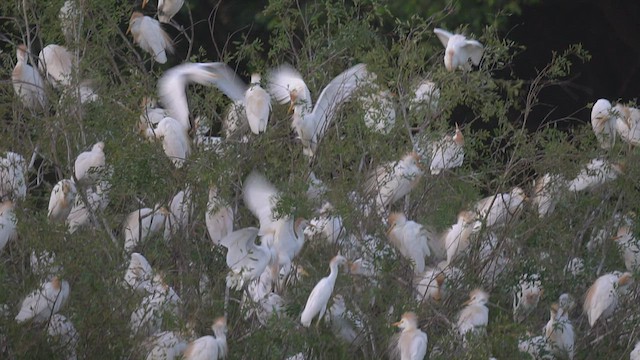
x,y
477,297
408,321
134,17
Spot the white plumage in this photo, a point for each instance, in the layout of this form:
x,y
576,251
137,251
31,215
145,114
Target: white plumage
x,y
175,140
166,345
27,82
245,259
167,9
63,330
526,296
595,173
13,176
98,200
410,239
379,110
61,201
412,343
447,153
559,332
147,318
392,181
41,304
8,223
635,353
459,51
501,208
209,347
547,191
180,213
139,274
218,218
142,223
627,123
475,316
602,297
317,302
430,285
456,239
89,163
603,124
257,105
150,36
56,62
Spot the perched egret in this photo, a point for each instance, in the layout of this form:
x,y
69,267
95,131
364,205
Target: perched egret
x,y
142,223
167,9
139,274
98,200
412,343
603,124
56,62
327,224
526,296
425,97
209,347
595,173
13,176
500,209
430,285
151,113
410,238
629,247
602,297
447,153
62,329
27,82
41,304
218,218
257,105
150,36
475,316
635,353
457,238
89,163
310,123
548,189
459,51
627,123
319,297
180,213
175,139
559,332
166,345
8,223
245,259
392,181
61,201
147,318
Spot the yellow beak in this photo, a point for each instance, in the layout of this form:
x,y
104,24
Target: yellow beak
x,y
396,323
144,3
290,110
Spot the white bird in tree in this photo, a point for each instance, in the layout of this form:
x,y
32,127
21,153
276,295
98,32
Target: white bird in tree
x,y
41,304
459,51
257,105
166,345
547,192
501,208
97,199
526,296
89,164
635,353
8,223
447,153
559,332
425,98
56,62
141,224
13,176
602,298
62,329
603,124
410,238
180,213
327,224
537,347
430,285
245,259
139,274
27,82
209,347
151,113
167,9
629,247
627,123
475,316
457,238
597,172
379,108
218,218
392,181
310,123
150,36
321,293
61,201
147,318
175,139
412,343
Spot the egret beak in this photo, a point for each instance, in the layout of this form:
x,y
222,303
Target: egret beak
x,y
616,238
396,324
467,302
144,3
437,297
291,107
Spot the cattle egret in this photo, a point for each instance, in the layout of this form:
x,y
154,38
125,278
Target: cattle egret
x,y
447,153
392,181
148,317
257,105
245,259
459,52
537,347
410,238
317,189
595,173
559,332
412,343
425,97
380,113
311,122
457,238
167,9
475,316
139,274
326,225
627,123
430,285
62,329
150,36
98,200
56,62
13,176
61,201
41,304
151,113
166,345
89,163
141,224
500,209
603,124
602,297
27,82
319,297
629,247
175,139
218,218
8,223
209,347
180,213
548,189
526,296
635,353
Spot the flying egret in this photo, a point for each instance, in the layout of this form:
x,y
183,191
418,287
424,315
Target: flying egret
x,y
245,259
218,218
412,343
319,297
430,285
56,63
410,238
8,223
603,124
457,238
459,52
392,181
61,201
89,163
629,247
547,193
141,224
602,297
559,332
62,329
139,274
209,347
13,176
475,316
150,36
27,82
175,139
526,296
257,105
501,208
167,9
41,304
310,123
447,153
597,172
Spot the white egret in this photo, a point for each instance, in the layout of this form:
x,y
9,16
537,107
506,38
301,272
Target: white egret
x,y
27,82
56,63
392,181
13,176
559,332
326,224
430,285
501,208
412,343
151,113
425,97
257,105
167,9
218,218
147,318
379,108
61,201
61,328
166,345
447,153
341,324
526,296
629,247
8,223
319,297
635,353
310,123
317,189
41,304
603,124
602,298
44,264
141,224
475,316
627,123
150,36
209,347
595,173
139,274
89,163
410,238
537,347
459,51
175,139
245,259
457,238
98,200
180,213
548,189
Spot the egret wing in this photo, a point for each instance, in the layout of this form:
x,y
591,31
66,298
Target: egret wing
x,y
443,35
285,79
